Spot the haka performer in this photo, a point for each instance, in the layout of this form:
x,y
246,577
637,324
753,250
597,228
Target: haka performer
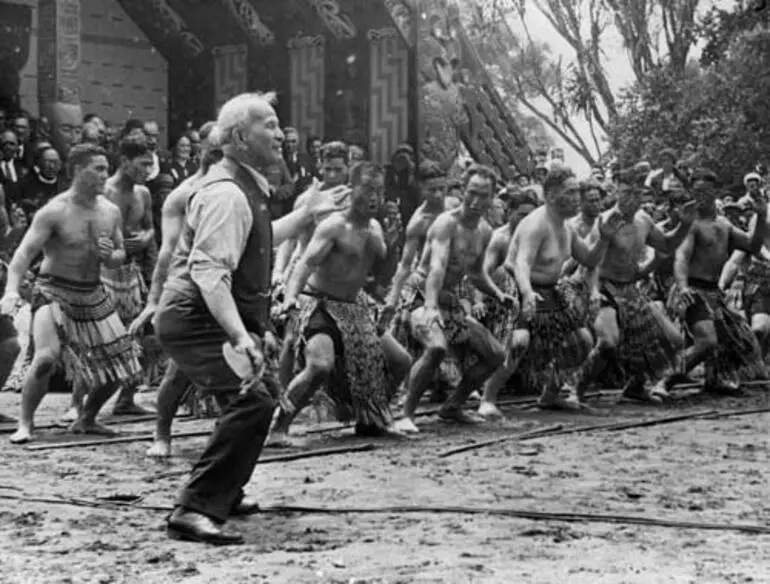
x,y
125,283
218,291
73,318
559,338
716,330
175,384
500,319
340,346
627,327
455,248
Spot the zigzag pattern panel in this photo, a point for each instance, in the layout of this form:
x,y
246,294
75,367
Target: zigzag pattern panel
x,y
307,90
389,104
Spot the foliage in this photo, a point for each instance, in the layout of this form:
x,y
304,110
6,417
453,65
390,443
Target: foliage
x,y
720,112
720,27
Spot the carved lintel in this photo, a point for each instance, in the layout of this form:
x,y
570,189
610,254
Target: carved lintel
x,y
306,41
377,34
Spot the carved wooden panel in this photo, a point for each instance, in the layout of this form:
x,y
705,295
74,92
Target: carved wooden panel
x,y
389,105
308,88
230,72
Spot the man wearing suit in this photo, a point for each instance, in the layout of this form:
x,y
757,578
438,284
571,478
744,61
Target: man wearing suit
x,y
11,169
218,291
23,129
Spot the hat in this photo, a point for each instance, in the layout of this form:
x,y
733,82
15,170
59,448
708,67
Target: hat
x,y
751,176
667,152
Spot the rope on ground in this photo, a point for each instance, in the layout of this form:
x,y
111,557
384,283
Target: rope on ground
x,y
581,429
118,440
566,517
521,436
280,458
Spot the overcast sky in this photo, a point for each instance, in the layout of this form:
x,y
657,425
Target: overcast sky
x,y
617,64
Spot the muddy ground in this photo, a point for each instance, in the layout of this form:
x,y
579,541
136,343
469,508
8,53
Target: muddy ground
x,y
695,470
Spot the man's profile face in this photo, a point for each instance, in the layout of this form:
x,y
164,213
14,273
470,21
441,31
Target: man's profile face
x,y
592,202
93,175
50,164
478,197
291,142
334,172
264,137
152,132
22,129
434,191
566,198
139,168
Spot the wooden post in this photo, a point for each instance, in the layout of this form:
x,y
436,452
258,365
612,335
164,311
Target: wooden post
x,y
414,81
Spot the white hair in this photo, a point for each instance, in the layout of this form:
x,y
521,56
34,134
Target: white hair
x,y
238,113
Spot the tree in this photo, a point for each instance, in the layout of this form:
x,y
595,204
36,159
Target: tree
x,y
720,110
720,27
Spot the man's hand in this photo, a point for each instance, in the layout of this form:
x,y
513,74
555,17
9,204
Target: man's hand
x,y
105,246
610,226
760,206
138,242
687,295
246,345
595,302
288,308
10,303
393,232
479,310
432,314
386,318
529,305
270,343
688,212
141,321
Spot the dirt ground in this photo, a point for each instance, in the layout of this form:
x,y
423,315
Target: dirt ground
x,y
704,470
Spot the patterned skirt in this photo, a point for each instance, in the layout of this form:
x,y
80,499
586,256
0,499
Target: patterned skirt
x,y
412,298
96,349
502,320
556,348
645,349
737,356
756,292
126,288
361,386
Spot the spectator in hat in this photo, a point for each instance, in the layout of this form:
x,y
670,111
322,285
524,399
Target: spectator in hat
x,y
752,182
667,177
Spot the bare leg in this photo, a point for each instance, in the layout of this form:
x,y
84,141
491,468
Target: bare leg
x,y
86,423
491,357
517,348
399,360
47,351
286,359
125,404
319,363
605,348
170,395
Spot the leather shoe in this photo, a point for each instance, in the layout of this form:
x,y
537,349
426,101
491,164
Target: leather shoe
x,y
246,506
185,525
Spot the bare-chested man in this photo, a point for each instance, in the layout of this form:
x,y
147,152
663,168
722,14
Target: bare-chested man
x,y
73,319
433,188
454,248
503,320
334,169
125,283
584,222
717,332
559,339
341,347
175,384
626,326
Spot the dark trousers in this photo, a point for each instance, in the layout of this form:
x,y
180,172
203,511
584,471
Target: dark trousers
x,y
227,463
194,341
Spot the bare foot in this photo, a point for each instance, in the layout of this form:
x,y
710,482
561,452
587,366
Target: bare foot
x,y
70,415
22,435
130,409
283,440
490,411
83,427
459,416
159,449
407,426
